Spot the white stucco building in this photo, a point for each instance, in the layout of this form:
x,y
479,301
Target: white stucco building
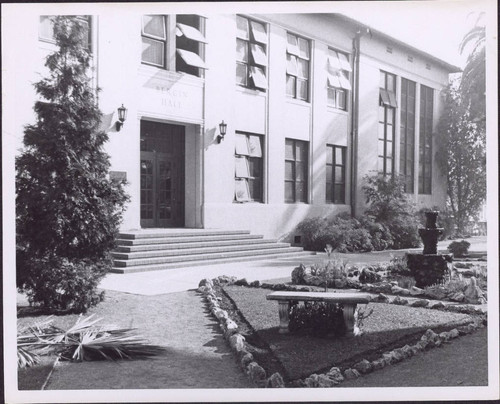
x,y
312,103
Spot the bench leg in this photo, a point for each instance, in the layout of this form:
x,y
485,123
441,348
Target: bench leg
x,y
349,320
284,309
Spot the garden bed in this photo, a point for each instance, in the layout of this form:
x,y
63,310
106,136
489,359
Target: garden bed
x,y
390,326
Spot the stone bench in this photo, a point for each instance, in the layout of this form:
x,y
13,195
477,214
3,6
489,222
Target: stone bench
x,y
348,300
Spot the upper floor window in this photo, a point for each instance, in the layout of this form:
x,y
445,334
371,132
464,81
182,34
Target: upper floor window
x,y
425,140
248,175
46,29
335,174
386,121
298,55
296,165
338,85
251,53
407,134
185,37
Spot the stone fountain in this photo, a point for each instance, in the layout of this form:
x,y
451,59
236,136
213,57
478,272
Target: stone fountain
x,y
430,267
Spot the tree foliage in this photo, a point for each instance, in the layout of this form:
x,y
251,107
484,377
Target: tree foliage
x,y
462,133
68,209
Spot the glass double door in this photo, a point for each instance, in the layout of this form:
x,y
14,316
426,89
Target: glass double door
x,y
162,175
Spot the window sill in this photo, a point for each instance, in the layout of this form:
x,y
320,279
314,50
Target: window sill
x,y
337,110
250,91
296,101
248,202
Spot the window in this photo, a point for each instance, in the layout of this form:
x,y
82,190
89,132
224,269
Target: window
x,y
154,39
425,140
297,67
188,42
387,110
248,173
335,174
407,134
46,29
296,157
338,79
251,54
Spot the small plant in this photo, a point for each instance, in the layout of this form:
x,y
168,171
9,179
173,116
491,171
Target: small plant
x,y
399,266
83,341
459,249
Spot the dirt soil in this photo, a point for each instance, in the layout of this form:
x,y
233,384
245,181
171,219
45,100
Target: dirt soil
x,y
196,354
389,327
462,362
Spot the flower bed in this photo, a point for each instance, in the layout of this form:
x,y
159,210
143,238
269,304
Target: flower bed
x,y
352,355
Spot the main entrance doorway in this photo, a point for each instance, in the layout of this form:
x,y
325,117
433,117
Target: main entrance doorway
x,y
162,175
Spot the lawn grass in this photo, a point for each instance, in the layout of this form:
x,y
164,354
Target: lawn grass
x,y
389,326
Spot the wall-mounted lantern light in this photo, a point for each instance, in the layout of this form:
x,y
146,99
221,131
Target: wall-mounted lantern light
x,y
222,130
122,115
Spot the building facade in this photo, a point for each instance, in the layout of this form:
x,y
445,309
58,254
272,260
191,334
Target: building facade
x,y
312,103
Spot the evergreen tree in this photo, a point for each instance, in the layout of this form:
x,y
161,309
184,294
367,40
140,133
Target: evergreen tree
x,y
68,209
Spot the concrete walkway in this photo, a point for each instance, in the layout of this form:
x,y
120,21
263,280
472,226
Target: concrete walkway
x,y
181,279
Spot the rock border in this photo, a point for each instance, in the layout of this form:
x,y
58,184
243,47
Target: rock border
x,y
334,376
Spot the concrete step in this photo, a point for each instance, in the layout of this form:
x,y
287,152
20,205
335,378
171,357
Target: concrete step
x,y
191,239
171,233
190,245
174,265
206,257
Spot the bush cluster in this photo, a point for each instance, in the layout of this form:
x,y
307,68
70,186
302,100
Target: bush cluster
x,y
459,249
389,222
317,318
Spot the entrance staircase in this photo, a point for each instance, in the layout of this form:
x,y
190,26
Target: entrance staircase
x,y
157,249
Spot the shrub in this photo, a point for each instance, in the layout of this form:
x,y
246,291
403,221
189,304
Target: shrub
x,y
398,266
459,248
381,237
390,206
62,284
317,318
342,232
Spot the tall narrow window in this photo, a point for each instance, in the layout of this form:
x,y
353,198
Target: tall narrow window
x,y
387,111
154,40
335,174
297,67
425,140
189,44
407,134
251,54
248,175
296,163
338,85
46,29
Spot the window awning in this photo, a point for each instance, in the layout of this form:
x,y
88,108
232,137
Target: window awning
x,y
344,62
333,80
258,77
334,62
241,145
388,98
344,83
191,58
259,54
292,46
190,33
241,167
291,65
259,32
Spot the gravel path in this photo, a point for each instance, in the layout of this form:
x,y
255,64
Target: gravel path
x,y
196,354
462,362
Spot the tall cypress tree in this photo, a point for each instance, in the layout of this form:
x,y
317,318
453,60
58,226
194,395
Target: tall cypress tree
x,y
68,209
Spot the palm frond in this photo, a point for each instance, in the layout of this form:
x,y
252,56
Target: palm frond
x,y
85,341
26,358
